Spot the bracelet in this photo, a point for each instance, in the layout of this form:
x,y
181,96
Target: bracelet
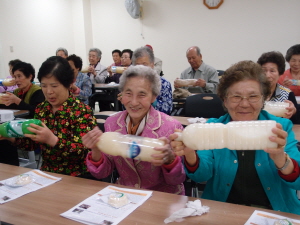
x,y
287,162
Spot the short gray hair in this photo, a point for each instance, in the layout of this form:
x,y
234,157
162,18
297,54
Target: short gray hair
x,y
97,50
62,49
143,72
194,47
143,52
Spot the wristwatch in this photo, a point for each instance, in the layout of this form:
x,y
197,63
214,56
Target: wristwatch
x,y
287,162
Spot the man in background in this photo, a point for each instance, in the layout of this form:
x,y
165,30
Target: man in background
x,y
116,55
207,76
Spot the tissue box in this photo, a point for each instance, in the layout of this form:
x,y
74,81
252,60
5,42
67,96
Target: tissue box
x,y
6,115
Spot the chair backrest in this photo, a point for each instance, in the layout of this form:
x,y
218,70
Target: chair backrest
x,y
220,73
204,105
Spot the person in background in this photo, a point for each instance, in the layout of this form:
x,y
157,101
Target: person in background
x,y
207,76
62,52
266,178
116,55
10,88
291,76
273,65
125,62
157,62
28,95
140,85
96,71
82,87
164,102
65,119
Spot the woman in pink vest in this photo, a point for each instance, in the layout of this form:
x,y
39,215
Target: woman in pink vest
x,y
139,86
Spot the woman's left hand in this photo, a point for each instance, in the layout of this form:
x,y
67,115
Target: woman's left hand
x,y
10,98
291,109
165,156
42,134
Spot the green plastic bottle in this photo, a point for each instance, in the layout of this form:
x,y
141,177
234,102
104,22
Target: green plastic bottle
x,y
17,128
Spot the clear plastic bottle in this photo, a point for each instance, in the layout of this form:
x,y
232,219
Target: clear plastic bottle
x,y
7,82
295,82
118,69
276,108
237,135
17,128
128,146
185,82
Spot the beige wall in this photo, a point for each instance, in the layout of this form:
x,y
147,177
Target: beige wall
x,y
236,31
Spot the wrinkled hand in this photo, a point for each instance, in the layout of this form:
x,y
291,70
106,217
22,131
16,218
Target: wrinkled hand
x,y
178,146
42,134
10,98
287,82
200,82
277,153
291,109
165,156
91,138
91,69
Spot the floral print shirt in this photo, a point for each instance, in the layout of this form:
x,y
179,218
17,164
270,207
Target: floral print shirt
x,y
69,123
164,102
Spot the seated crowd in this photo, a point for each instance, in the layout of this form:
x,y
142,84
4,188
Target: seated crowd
x,y
69,133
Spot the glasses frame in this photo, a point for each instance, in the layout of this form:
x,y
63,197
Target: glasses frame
x,y
242,98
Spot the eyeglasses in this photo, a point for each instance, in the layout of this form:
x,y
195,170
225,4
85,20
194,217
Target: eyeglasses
x,y
239,98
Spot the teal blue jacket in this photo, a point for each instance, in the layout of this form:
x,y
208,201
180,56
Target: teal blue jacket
x,y
219,166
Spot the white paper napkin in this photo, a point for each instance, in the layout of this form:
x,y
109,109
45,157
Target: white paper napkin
x,y
194,208
197,120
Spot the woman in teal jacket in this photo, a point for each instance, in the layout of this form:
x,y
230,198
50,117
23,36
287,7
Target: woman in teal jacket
x,y
265,178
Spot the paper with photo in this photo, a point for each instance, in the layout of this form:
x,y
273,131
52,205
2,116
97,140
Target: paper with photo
x,y
94,210
11,189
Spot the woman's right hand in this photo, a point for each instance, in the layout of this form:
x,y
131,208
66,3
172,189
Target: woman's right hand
x,y
90,141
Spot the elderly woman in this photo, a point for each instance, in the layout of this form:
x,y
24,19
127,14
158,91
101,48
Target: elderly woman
x,y
273,65
10,88
268,178
96,71
62,52
65,120
82,87
126,56
28,95
291,77
140,86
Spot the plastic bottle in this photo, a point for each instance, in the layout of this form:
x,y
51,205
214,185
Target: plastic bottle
x,y
7,82
129,146
239,135
276,108
117,69
295,82
17,128
185,82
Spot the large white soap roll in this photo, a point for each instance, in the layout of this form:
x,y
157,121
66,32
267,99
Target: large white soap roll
x,y
207,136
250,135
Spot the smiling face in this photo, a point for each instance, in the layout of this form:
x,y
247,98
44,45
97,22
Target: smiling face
x,y
55,93
295,63
137,98
22,81
244,110
93,58
116,58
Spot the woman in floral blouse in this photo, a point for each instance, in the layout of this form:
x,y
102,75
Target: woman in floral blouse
x,y
65,120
